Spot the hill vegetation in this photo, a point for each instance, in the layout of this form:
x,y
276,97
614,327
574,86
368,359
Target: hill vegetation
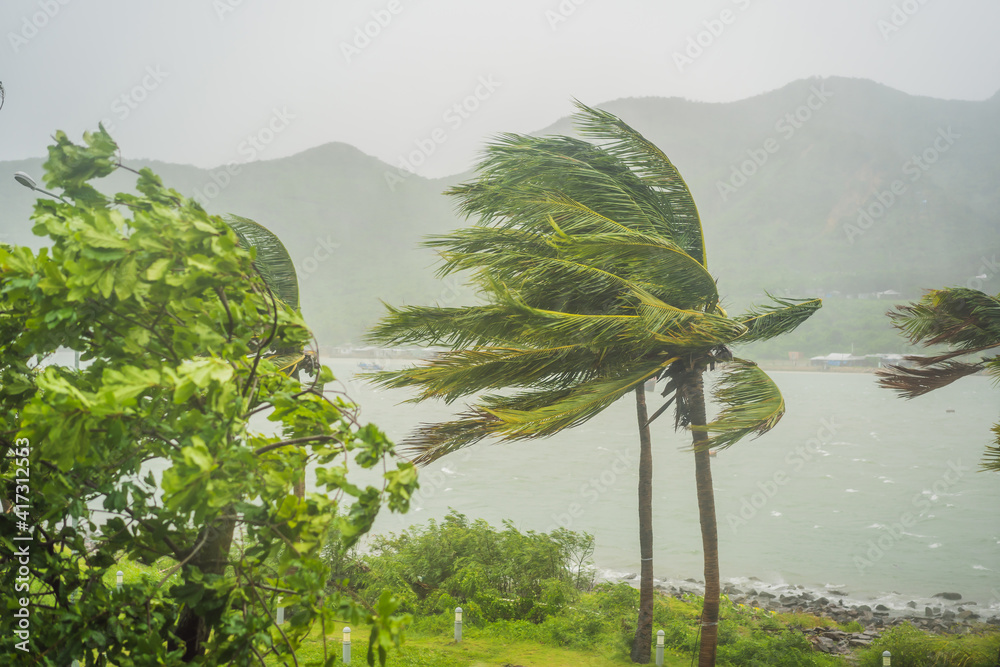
x,y
795,186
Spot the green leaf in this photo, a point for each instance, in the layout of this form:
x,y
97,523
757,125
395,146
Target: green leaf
x,y
753,405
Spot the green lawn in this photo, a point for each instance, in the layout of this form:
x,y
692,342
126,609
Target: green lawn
x,y
473,651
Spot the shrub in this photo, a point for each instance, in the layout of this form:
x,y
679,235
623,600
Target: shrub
x,y
506,574
911,647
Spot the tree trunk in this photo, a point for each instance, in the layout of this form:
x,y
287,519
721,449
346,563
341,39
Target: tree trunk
x,y
695,399
213,557
642,645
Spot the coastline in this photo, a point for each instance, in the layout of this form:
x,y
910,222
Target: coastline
x,y
945,612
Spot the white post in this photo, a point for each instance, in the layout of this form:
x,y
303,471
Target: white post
x,y
659,648
72,598
458,624
119,578
347,646
280,615
886,659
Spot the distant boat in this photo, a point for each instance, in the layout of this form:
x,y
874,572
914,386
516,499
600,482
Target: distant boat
x,y
370,366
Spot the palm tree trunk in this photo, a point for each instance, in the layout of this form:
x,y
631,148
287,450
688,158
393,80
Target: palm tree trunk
x,y
642,645
695,399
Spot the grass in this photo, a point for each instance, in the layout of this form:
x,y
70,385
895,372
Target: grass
x,y
475,650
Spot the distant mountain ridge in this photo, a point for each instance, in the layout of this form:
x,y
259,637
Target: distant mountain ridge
x,y
829,186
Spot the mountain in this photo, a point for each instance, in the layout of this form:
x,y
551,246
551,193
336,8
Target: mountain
x,y
834,187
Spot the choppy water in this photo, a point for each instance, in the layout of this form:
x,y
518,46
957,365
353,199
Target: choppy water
x,y
855,490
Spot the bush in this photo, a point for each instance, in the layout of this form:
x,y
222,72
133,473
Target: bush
x,y
911,647
501,574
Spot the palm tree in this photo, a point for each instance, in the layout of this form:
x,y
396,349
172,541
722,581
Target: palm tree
x,y
276,268
591,263
966,319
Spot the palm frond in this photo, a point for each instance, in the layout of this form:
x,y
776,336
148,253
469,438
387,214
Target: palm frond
x,y
272,261
962,317
652,165
991,460
515,165
911,382
672,274
450,375
564,408
432,441
680,329
287,362
457,327
781,317
752,405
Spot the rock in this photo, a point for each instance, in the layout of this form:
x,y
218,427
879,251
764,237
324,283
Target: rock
x,y
766,595
967,615
911,604
928,612
864,607
881,607
823,644
948,615
630,576
949,596
822,601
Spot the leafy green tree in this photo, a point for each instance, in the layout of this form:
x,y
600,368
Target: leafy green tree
x,y
965,319
180,331
591,264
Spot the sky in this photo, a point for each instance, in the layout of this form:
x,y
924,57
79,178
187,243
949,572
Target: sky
x,y
423,84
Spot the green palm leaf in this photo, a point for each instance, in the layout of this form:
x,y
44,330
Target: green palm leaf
x,y
991,460
517,169
965,318
450,375
570,407
752,405
653,166
272,261
768,321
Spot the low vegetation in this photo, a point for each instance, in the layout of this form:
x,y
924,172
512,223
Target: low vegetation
x,y
525,593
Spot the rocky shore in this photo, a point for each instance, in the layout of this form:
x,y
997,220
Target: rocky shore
x,y
949,613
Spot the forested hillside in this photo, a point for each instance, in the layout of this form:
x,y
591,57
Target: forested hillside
x,y
833,187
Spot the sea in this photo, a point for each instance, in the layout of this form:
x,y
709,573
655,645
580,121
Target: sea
x,y
856,494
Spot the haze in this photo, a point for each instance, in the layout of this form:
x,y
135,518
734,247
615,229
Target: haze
x,y
196,82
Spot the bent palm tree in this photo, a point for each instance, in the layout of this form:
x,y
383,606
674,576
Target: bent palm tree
x,y
591,262
275,267
966,319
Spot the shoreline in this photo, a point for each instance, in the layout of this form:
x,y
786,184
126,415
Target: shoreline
x,y
944,613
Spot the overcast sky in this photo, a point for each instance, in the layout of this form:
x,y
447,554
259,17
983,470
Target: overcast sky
x,y
208,82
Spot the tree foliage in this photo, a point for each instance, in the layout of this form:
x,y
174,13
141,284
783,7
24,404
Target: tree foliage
x,y
174,326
